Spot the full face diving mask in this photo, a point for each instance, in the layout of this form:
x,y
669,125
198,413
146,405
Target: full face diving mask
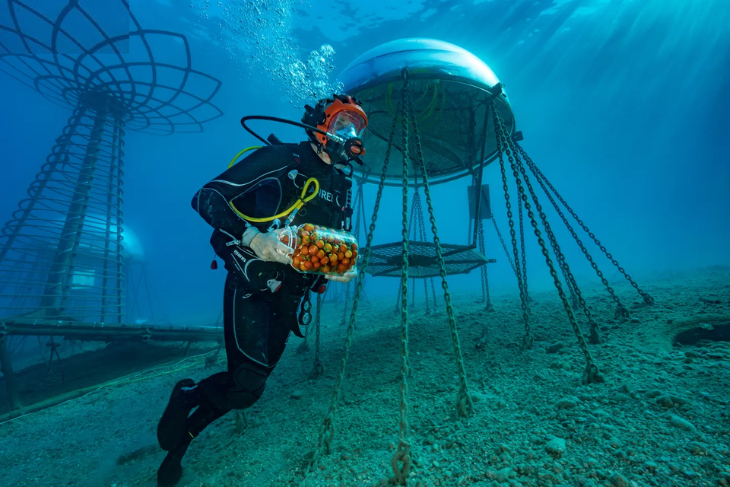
x,y
345,130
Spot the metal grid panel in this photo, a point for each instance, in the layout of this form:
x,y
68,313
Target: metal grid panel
x,y
386,260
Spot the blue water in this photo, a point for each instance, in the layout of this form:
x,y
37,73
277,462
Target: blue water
x,y
623,105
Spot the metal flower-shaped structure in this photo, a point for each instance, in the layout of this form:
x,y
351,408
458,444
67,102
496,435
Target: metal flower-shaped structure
x,y
62,252
144,75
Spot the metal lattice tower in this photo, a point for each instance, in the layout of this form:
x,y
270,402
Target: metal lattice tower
x,y
61,253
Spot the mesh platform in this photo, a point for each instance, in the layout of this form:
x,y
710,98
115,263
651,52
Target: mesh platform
x,y
386,260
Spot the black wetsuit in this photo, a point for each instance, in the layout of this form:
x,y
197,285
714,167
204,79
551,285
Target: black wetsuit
x,y
258,312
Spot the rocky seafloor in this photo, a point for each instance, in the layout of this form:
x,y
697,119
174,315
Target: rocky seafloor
x,y
660,418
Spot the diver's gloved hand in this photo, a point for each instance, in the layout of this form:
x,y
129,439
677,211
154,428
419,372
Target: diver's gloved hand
x,y
344,278
268,247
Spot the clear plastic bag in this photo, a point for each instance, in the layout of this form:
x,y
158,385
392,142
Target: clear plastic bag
x,y
321,250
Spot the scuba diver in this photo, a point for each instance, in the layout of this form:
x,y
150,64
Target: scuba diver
x,y
264,297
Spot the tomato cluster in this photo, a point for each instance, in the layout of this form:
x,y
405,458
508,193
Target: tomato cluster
x,y
323,250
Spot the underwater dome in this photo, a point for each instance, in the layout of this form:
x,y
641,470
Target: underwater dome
x,y
451,89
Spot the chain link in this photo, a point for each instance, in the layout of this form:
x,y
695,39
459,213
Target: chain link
x,y
489,307
421,227
359,217
501,240
412,232
538,173
401,461
464,405
576,296
481,247
621,310
591,373
523,262
485,287
317,368
527,339
327,429
364,219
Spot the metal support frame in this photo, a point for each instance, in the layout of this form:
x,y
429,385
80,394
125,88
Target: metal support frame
x,y
61,253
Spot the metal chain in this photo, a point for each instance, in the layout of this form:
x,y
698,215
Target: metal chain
x,y
421,226
523,262
501,240
489,307
481,247
401,461
621,310
591,374
647,298
485,286
464,405
566,276
527,339
317,368
364,219
576,296
433,295
358,205
344,308
327,429
412,231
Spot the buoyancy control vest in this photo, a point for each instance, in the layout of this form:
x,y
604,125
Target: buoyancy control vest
x,y
270,183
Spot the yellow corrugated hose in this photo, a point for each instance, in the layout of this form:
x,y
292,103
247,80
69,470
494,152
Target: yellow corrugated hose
x,y
295,207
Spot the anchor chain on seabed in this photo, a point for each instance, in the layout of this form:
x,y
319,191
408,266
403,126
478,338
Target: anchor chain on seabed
x,y
527,203
327,429
401,461
591,373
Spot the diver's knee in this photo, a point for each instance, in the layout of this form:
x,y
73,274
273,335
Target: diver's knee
x,y
249,382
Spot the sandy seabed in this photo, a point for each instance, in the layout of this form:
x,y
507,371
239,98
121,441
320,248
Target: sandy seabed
x,y
661,418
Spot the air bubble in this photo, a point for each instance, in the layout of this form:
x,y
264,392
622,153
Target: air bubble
x,y
260,32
